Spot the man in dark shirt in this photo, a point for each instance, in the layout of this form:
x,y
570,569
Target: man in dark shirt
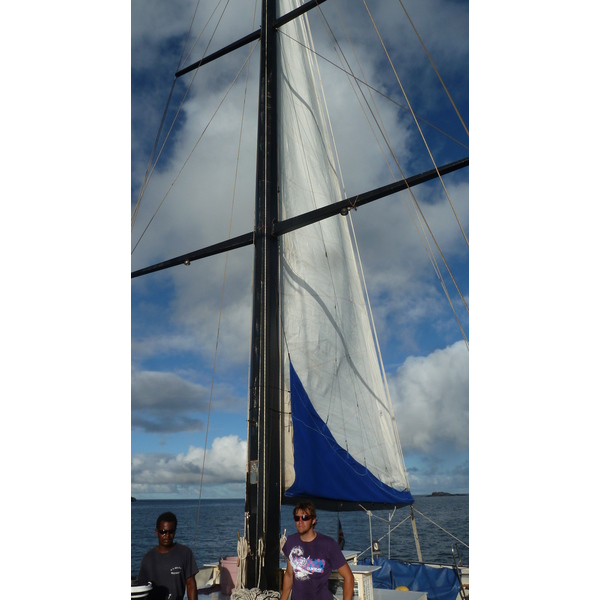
x,y
169,566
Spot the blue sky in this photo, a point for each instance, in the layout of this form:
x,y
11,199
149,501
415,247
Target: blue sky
x,y
174,314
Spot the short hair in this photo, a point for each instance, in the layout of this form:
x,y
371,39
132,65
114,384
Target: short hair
x,y
307,507
168,517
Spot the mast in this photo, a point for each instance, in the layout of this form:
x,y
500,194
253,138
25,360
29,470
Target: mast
x,y
263,480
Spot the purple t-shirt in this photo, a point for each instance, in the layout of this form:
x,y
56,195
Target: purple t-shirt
x,y
312,563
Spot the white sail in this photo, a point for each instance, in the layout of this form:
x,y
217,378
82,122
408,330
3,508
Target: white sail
x,y
326,331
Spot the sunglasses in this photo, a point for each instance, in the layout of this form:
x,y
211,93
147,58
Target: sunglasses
x,y
303,517
166,531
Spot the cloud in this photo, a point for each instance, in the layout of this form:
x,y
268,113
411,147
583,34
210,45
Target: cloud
x,y
430,396
224,464
168,402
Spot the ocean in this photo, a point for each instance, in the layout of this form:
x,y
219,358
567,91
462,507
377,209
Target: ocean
x,y
220,521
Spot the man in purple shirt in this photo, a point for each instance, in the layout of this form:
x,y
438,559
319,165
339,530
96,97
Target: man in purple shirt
x,y
310,558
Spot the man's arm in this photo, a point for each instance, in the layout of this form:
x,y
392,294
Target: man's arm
x,y
192,590
288,580
348,576
144,575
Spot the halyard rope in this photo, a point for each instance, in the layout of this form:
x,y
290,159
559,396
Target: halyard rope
x,y
239,593
254,593
242,552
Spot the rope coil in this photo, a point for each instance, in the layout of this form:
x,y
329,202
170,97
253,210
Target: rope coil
x,y
254,594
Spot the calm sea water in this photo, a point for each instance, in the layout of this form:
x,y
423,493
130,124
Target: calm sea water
x,y
220,521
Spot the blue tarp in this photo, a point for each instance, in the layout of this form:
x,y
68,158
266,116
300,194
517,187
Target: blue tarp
x,y
439,583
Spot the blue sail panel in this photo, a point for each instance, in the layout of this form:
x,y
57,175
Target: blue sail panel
x,y
323,468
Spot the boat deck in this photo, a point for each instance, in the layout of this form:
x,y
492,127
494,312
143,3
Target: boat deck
x,y
364,589
213,594
378,594
208,590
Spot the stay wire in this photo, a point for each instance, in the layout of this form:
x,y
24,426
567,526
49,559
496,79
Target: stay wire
x,y
417,124
193,149
422,218
223,284
434,67
204,28
379,122
150,168
440,527
379,92
416,204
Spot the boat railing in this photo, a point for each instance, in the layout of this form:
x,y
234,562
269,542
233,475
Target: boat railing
x,y
461,572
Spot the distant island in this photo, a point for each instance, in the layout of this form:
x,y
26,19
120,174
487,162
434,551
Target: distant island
x,y
133,499
447,494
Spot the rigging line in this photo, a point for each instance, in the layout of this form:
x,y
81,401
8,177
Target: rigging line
x,y
390,99
443,284
434,67
193,149
452,536
335,149
385,137
150,171
432,259
379,123
380,357
253,244
351,77
187,37
203,29
150,167
353,235
355,244
414,198
422,216
429,251
416,122
377,119
425,241
381,518
212,383
388,534
388,398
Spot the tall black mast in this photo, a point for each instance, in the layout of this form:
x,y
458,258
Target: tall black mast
x,y
263,485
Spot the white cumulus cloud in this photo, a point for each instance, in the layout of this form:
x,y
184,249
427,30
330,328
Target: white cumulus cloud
x,y
430,396
224,463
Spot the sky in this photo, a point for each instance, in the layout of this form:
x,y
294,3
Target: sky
x,y
174,314
66,334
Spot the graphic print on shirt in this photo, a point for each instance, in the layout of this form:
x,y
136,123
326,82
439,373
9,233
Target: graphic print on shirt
x,y
305,567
